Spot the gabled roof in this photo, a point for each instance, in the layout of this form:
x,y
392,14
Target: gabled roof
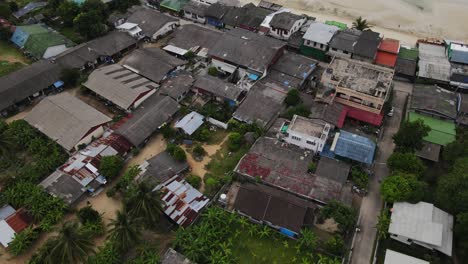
x,y
367,44
62,185
431,99
354,147
146,119
153,63
161,168
285,20
119,85
320,33
218,87
345,40
423,223
217,10
195,7
249,15
177,85
193,37
393,257
150,21
27,81
406,66
65,119
433,62
247,49
190,123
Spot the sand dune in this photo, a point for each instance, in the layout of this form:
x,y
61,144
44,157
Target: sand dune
x,y
406,20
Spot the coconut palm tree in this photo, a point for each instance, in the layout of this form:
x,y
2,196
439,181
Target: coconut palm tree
x,y
70,246
125,230
144,204
361,24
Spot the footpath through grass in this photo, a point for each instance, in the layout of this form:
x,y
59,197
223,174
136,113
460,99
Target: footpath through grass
x,y
11,59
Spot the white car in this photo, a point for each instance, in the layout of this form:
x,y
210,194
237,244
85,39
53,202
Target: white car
x,y
390,113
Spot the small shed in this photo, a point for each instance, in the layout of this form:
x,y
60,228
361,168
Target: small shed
x,y
190,123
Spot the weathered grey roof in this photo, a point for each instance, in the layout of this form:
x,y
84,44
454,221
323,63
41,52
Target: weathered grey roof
x,y
152,114
247,49
150,21
320,33
329,113
173,257
406,67
195,7
107,45
119,85
177,85
61,185
153,63
191,36
6,211
249,15
271,97
433,63
464,103
367,44
285,20
433,100
424,223
218,87
333,169
292,70
393,257
27,81
429,151
65,119
345,40
190,123
161,168
217,10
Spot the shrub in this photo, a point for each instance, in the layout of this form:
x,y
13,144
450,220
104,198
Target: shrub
x,y
88,215
194,180
23,241
335,245
293,97
177,152
199,151
111,166
202,135
213,71
344,215
212,184
235,141
360,178
312,167
300,110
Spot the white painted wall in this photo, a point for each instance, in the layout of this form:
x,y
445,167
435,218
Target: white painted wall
x,y
304,141
223,66
95,134
142,99
165,29
54,51
195,17
279,34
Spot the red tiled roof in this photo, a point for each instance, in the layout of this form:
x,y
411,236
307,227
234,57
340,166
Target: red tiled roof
x,y
361,115
390,45
19,221
386,59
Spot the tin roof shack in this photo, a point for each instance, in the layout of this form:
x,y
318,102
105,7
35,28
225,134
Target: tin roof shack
x,y
366,46
147,119
21,86
181,202
286,167
343,42
458,53
393,257
310,134
160,168
246,52
351,146
12,222
433,63
316,40
407,63
219,89
152,63
293,70
422,224
195,11
190,123
248,17
177,86
173,257
437,107
284,24
193,38
67,120
278,209
80,173
251,111
387,52
358,85
120,86
152,23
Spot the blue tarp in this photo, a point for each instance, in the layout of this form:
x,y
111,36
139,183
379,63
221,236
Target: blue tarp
x,y
355,147
19,37
58,84
253,76
287,232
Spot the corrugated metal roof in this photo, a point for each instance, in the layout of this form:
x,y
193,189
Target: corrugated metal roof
x,y
190,123
393,257
354,147
6,211
6,233
320,33
442,132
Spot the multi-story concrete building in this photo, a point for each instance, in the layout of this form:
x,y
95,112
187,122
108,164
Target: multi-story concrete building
x,y
305,133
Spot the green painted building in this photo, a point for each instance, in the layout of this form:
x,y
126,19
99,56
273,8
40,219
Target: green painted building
x,y
173,5
442,132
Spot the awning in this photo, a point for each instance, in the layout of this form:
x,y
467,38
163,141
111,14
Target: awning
x,y
58,84
175,50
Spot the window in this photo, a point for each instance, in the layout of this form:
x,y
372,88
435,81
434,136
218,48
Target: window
x,y
296,138
310,142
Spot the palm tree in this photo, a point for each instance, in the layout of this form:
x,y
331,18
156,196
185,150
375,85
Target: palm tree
x,y
145,204
125,230
70,246
361,24
6,145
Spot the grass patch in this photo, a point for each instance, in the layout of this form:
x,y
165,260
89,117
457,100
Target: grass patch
x,y
7,67
225,161
217,137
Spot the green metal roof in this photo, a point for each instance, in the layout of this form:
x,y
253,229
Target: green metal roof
x,y
34,29
37,44
337,24
174,5
411,54
442,132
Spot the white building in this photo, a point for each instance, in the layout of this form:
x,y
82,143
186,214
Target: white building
x,y
318,35
305,133
284,24
131,28
393,257
422,224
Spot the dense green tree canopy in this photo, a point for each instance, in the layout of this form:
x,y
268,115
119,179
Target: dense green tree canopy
x,y
409,137
111,166
293,97
403,187
406,162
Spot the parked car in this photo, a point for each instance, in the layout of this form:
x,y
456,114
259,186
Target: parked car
x,y
390,113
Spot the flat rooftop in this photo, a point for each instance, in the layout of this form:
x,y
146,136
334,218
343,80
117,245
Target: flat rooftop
x,y
312,127
359,76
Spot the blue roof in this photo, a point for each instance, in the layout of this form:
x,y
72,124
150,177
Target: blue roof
x,y
355,147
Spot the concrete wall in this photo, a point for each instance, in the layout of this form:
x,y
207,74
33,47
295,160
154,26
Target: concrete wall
x,y
339,53
312,143
315,45
165,29
96,133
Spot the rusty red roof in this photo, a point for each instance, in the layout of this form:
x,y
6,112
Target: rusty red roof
x,y
386,59
390,45
19,220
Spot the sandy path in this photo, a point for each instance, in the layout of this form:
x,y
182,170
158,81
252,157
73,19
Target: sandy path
x,y
406,20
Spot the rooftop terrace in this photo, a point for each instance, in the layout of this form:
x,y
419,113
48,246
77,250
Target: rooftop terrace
x,y
312,127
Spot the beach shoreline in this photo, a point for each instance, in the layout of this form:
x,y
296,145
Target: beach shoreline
x,y
405,20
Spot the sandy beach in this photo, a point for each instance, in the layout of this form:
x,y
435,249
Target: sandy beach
x,y
406,20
